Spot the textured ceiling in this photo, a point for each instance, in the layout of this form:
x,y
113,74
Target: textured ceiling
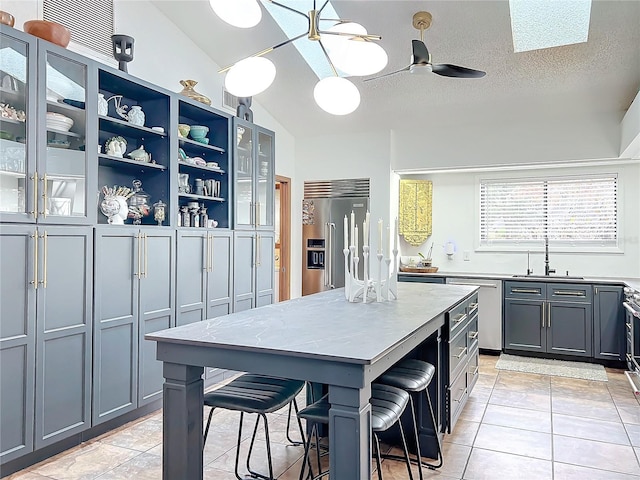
x,y
602,75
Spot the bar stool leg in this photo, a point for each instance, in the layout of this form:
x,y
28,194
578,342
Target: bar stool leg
x,y
435,429
415,430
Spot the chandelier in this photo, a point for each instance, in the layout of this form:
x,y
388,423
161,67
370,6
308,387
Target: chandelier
x,y
348,48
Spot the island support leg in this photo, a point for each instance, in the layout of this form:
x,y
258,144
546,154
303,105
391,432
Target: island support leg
x,y
350,433
182,422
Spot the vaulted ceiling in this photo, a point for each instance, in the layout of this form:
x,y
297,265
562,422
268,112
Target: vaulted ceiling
x,y
601,75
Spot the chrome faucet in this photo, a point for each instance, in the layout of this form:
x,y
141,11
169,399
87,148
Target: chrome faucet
x,y
529,269
547,270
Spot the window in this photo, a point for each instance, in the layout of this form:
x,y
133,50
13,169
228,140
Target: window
x,y
570,211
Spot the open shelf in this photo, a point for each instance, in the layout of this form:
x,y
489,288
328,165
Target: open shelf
x,y
62,132
122,126
111,161
199,144
11,120
201,197
198,167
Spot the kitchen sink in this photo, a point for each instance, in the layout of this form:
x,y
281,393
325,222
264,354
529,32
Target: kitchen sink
x,y
549,277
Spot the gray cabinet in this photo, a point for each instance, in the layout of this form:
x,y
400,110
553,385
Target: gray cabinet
x,y
550,318
45,335
204,275
253,269
134,295
254,177
419,278
608,322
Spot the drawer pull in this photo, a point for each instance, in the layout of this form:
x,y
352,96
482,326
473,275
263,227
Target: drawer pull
x,y
473,307
570,293
526,290
460,318
459,399
473,335
475,371
628,326
462,353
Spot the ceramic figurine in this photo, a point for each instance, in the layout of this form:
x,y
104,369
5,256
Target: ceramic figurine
x,y
140,155
115,146
188,91
122,50
103,105
244,109
136,116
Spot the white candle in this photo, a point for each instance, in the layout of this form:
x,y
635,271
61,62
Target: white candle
x,y
364,233
346,232
387,249
367,233
355,239
395,236
380,236
353,224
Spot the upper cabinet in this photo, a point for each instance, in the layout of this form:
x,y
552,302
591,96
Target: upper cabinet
x,y
133,145
203,156
254,176
44,165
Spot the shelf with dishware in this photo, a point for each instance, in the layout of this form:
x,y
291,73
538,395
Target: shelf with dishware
x,y
124,127
201,167
193,196
14,97
118,162
196,143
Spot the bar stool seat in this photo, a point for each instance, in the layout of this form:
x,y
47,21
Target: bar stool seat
x,y
414,375
387,405
258,394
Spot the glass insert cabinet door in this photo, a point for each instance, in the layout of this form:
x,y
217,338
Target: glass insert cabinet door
x,y
62,165
244,172
265,188
17,127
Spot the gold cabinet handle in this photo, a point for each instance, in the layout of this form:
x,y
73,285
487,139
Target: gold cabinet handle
x,y
462,353
137,274
475,371
460,318
34,282
473,307
473,335
44,196
146,255
258,214
569,293
34,212
525,290
45,239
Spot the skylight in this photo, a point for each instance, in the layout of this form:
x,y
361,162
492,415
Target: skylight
x,y
540,24
293,25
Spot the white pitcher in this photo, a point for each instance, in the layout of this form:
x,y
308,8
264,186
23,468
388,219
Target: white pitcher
x,y
136,116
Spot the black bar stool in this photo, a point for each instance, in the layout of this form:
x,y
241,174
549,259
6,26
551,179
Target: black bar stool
x,y
414,375
254,394
387,405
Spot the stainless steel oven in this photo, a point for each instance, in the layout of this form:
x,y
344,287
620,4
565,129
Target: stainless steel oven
x,y
632,325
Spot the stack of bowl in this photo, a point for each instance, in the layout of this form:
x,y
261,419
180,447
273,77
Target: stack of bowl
x,y
199,133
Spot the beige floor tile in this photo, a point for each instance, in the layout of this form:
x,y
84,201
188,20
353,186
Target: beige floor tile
x,y
599,455
516,441
473,411
590,429
142,467
630,414
480,394
142,436
634,434
486,380
521,418
521,399
490,465
564,471
455,460
210,473
581,407
464,433
26,475
87,462
527,382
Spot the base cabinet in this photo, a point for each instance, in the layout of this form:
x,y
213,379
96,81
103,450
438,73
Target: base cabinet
x,y
549,318
45,335
608,322
134,295
253,269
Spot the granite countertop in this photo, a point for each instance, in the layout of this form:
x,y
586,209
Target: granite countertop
x,y
324,325
630,282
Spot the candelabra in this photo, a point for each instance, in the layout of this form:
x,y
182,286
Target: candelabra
x,y
382,288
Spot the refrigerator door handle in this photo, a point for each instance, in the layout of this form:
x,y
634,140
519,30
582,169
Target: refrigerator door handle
x,y
326,273
332,229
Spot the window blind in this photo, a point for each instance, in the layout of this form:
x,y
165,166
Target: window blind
x,y
568,210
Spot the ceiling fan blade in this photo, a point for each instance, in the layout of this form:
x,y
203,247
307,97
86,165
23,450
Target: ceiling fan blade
x,y
405,69
447,70
420,53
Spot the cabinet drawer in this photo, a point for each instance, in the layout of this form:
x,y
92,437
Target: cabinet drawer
x,y
569,292
472,306
473,369
457,318
525,289
458,351
472,333
458,394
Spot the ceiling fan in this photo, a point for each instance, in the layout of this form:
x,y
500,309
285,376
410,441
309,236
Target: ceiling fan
x,y
421,58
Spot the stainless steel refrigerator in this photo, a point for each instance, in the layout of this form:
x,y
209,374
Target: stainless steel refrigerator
x,y
324,207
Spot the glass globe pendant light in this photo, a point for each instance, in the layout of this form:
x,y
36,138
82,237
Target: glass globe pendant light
x,y
250,76
354,55
336,95
238,13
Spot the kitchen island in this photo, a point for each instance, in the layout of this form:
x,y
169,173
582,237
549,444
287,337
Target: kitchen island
x,y
320,338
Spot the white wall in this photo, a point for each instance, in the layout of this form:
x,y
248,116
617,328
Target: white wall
x,y
455,214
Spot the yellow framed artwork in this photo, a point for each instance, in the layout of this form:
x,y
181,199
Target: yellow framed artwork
x,y
414,219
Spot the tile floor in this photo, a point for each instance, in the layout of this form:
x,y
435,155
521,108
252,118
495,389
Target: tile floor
x,y
515,426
